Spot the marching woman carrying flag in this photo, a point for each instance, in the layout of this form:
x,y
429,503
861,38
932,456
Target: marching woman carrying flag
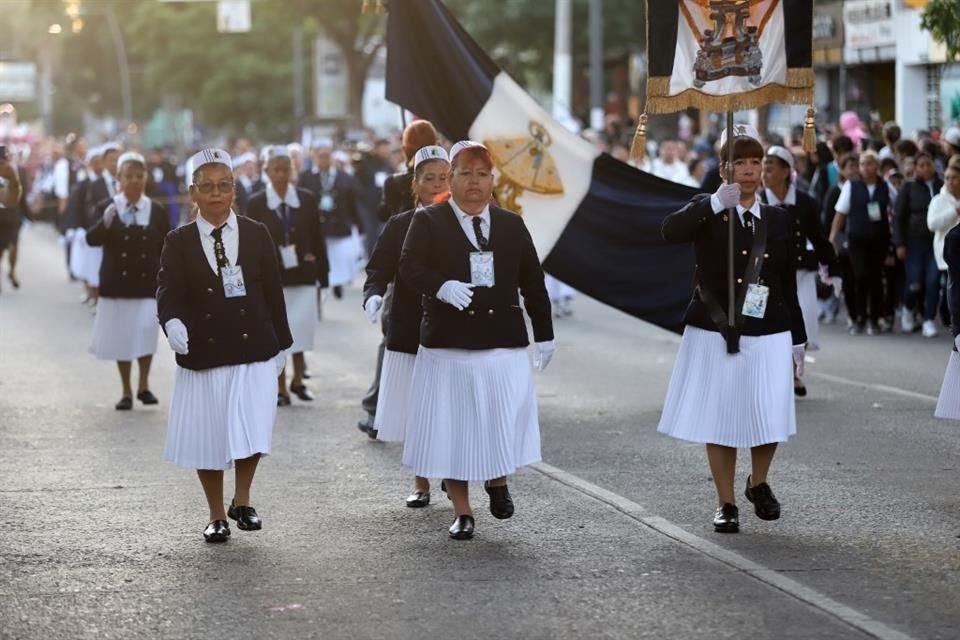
x,y
948,405
220,302
725,392
473,407
402,316
131,231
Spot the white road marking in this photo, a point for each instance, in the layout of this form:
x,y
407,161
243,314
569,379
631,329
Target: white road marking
x,y
770,577
876,387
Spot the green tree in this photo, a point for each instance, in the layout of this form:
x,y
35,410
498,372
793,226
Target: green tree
x,y
942,19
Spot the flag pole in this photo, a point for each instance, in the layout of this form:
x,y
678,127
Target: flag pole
x,y
733,340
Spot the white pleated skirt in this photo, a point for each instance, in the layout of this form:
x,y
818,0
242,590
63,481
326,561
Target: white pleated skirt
x,y
221,415
948,406
473,414
301,304
85,260
346,258
807,295
393,401
742,400
125,329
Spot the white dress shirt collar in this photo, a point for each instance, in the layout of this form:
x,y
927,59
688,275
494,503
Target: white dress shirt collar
x,y
466,222
206,227
790,200
142,216
290,198
230,238
754,209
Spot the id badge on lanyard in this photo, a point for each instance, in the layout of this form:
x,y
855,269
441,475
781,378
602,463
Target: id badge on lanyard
x,y
481,269
755,302
873,211
326,202
233,285
288,256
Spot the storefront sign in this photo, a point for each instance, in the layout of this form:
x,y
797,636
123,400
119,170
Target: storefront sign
x,y
868,23
828,25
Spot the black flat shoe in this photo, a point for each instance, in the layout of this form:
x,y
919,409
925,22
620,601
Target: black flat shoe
x,y
765,504
246,517
283,400
366,425
147,397
462,528
799,389
125,404
302,392
501,505
217,531
338,292
14,281
418,499
727,519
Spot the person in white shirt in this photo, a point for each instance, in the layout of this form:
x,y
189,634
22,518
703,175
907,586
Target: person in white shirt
x,y
942,216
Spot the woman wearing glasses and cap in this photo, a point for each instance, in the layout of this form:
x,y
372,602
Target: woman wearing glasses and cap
x,y
131,231
813,250
402,318
220,303
473,407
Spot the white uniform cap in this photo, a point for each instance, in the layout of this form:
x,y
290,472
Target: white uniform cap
x,y
460,146
779,152
274,151
110,146
93,152
340,156
952,136
295,147
244,158
322,143
130,156
741,131
208,156
431,152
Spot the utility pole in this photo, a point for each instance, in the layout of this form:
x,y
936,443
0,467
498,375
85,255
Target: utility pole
x,y
299,108
562,61
596,64
124,69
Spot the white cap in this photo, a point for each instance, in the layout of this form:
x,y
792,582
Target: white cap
x,y
741,131
295,147
130,156
953,136
92,152
244,158
430,152
460,146
322,143
340,156
209,156
779,152
110,146
274,151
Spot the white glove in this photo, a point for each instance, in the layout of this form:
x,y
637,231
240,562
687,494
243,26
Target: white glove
x,y
177,336
837,286
544,355
281,361
956,342
372,307
727,196
456,294
799,354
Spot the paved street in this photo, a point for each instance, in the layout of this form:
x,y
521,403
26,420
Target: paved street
x,y
612,537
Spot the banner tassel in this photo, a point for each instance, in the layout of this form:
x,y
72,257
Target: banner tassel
x,y
810,131
638,149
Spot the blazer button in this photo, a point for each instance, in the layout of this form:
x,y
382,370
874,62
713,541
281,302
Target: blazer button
x,y
209,290
744,252
490,312
471,312
799,258
126,237
739,280
244,336
143,275
123,273
766,255
292,229
123,255
143,255
208,316
243,312
210,340
798,233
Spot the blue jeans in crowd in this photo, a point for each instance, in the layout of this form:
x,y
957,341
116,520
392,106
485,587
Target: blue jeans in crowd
x,y
922,276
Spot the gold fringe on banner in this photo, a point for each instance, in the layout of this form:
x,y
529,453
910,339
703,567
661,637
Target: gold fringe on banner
x,y
638,148
801,78
658,100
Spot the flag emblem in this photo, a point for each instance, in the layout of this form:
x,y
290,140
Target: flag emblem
x,y
525,164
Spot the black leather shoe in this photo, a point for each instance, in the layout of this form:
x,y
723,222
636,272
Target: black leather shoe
x,y
217,531
302,392
462,528
418,499
338,292
246,517
765,504
727,519
366,425
799,389
283,400
125,404
501,505
147,397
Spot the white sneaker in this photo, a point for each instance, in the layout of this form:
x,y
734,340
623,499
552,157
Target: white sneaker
x,y
907,325
930,329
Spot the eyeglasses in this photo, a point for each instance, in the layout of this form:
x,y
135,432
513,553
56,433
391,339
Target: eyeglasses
x,y
206,188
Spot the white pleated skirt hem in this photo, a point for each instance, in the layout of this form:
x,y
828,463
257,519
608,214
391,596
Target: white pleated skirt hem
x,y
948,405
742,400
393,401
221,415
346,259
301,302
807,295
473,414
125,329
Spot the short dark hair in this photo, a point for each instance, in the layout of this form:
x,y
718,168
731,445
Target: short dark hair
x,y
907,148
923,155
891,132
743,147
854,158
842,144
888,163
